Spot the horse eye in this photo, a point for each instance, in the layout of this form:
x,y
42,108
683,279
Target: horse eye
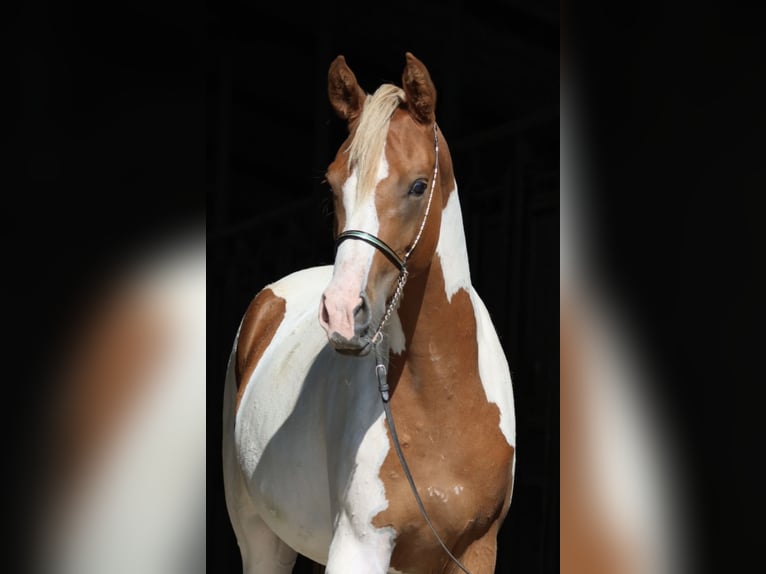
x,y
418,187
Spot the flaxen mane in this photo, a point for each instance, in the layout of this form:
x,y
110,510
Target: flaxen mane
x,y
370,137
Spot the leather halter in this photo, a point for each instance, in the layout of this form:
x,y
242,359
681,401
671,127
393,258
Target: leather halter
x,y
376,242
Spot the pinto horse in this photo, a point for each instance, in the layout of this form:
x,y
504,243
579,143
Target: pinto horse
x,y
394,327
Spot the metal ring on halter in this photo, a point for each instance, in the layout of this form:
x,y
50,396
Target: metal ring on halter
x,y
379,244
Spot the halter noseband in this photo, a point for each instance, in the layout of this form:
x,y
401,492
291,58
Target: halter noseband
x,y
376,242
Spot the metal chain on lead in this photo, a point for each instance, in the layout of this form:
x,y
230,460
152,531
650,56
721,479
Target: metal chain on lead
x,y
392,305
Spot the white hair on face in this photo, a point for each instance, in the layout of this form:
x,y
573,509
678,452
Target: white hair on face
x,y
367,146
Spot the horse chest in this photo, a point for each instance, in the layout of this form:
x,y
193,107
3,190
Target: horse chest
x,y
460,461
448,453
463,499
313,441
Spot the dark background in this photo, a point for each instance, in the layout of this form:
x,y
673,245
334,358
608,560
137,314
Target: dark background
x,y
104,160
271,134
674,96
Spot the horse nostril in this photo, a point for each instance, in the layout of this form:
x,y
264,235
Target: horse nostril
x,y
362,312
325,315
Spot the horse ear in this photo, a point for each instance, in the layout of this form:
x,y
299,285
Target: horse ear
x,y
346,97
420,90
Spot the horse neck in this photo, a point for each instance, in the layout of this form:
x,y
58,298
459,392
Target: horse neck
x,y
436,313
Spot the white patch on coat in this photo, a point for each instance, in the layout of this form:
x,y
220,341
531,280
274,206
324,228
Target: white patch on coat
x,y
493,369
357,545
396,340
353,258
451,249
493,365
362,215
438,493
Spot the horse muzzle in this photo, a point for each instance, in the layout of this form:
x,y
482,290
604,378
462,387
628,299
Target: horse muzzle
x,y
348,330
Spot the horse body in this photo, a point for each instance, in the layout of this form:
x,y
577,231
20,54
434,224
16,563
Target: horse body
x,y
308,458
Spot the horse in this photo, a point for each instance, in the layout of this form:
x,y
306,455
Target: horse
x,y
369,420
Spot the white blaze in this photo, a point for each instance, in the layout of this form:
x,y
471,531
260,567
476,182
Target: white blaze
x,y
353,258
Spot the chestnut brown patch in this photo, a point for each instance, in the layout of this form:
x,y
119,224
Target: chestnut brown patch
x,y
458,456
261,321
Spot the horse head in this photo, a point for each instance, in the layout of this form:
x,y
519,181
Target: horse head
x,y
386,183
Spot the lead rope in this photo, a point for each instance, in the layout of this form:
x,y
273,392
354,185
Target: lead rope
x,y
380,371
380,365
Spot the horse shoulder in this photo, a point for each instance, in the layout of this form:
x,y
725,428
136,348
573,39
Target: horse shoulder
x,y
293,295
263,317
